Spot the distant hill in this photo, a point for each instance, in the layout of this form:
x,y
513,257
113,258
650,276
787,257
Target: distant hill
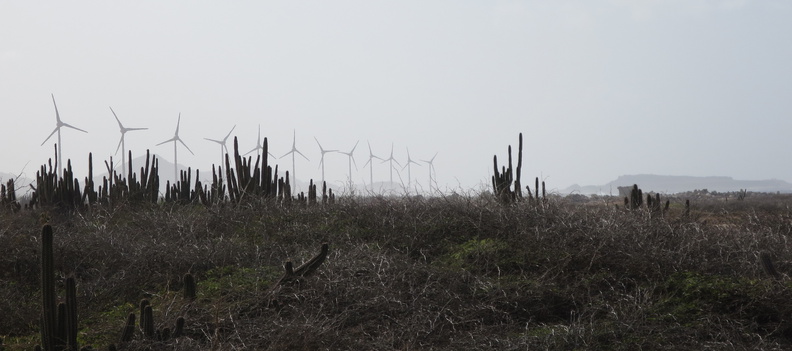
x,y
677,184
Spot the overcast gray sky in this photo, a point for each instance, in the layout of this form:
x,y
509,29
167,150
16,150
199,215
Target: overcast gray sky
x,y
599,88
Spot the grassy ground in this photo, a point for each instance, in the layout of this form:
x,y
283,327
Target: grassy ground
x,y
462,272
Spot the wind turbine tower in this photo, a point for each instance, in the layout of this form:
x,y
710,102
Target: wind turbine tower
x,y
371,167
292,152
391,160
321,161
351,160
259,146
58,126
222,145
174,140
121,143
431,168
409,169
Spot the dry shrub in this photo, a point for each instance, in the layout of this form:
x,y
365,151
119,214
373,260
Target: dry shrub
x,y
462,272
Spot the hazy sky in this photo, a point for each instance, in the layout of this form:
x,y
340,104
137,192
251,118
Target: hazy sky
x,y
599,88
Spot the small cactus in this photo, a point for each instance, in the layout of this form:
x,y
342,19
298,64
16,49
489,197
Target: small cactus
x,y
129,329
147,322
189,287
179,330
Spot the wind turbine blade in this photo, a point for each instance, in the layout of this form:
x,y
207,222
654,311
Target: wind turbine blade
x,y
50,136
178,122
355,147
251,151
217,141
166,141
229,134
320,145
284,155
131,129
73,127
301,154
120,141
57,115
185,145
116,117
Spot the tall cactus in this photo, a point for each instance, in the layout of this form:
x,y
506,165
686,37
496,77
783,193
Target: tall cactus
x,y
71,314
517,184
49,308
502,180
89,193
636,198
59,322
8,196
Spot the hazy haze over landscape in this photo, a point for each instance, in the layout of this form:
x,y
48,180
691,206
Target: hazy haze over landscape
x,y
599,88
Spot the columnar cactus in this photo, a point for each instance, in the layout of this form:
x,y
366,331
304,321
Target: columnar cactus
x,y
517,184
49,308
636,197
8,196
71,314
147,322
89,193
189,287
129,329
502,180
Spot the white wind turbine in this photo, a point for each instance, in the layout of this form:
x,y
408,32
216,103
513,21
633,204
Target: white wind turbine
x,y
58,126
351,160
259,145
409,171
391,159
321,161
121,143
223,145
371,167
292,152
174,140
431,168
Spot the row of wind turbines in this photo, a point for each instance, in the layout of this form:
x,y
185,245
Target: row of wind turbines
x,y
258,149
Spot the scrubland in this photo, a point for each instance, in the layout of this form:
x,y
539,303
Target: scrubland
x,y
413,273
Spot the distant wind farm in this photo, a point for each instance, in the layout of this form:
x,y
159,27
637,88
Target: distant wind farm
x,y
353,178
